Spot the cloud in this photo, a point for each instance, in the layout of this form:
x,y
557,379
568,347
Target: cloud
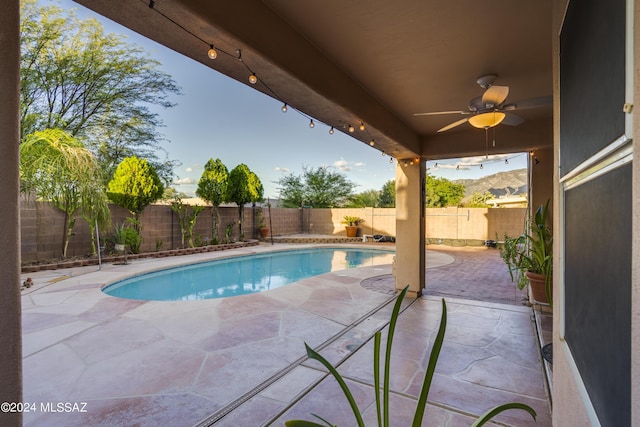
x,y
342,165
189,169
279,169
184,181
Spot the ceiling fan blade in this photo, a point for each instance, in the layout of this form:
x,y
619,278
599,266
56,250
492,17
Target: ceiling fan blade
x,y
454,124
437,113
542,101
512,120
495,96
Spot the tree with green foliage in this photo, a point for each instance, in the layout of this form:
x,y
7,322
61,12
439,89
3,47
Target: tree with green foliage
x,y
187,217
212,187
388,195
244,187
369,198
92,85
135,185
95,211
56,167
170,193
441,192
478,200
319,188
292,191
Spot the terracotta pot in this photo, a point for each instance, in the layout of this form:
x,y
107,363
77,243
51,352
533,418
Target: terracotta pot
x,y
264,232
537,283
352,230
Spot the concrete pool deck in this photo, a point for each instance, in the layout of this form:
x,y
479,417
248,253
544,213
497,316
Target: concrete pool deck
x,y
241,360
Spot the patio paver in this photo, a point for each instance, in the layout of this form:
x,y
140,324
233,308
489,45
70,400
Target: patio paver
x,y
178,363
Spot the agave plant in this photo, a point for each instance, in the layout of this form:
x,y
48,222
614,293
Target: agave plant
x,y
382,407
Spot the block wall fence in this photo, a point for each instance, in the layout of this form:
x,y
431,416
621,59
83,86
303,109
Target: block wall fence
x,y
41,226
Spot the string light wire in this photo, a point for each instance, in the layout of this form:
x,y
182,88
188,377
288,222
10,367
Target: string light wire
x,y
214,53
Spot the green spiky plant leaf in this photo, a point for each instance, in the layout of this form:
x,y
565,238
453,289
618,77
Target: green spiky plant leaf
x,y
383,414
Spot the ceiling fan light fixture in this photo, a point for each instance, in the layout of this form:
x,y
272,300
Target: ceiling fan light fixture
x,y
487,120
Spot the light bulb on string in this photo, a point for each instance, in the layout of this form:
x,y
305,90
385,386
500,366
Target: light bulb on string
x,y
372,143
361,126
212,53
481,167
390,159
331,131
436,166
351,129
253,79
311,124
506,161
458,167
284,107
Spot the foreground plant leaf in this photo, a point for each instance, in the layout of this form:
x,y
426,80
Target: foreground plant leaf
x,y
345,389
426,384
304,423
387,361
431,368
498,409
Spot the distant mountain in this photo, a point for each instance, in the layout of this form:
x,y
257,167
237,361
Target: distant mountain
x,y
499,184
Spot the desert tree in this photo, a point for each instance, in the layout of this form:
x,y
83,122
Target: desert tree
x,y
212,187
93,85
56,167
317,187
135,185
244,187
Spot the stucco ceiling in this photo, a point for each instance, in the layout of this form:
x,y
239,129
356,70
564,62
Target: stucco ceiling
x,y
375,61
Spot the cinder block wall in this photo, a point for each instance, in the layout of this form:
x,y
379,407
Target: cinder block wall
x,y
42,225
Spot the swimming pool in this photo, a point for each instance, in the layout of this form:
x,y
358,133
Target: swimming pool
x,y
243,275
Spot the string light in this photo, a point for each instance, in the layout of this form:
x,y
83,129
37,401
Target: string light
x,y
506,161
212,53
436,166
383,153
390,159
457,167
481,167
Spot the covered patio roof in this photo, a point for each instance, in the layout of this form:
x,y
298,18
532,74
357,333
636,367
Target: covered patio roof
x,y
373,62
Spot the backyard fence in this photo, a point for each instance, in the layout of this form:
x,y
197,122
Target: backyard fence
x,y
41,226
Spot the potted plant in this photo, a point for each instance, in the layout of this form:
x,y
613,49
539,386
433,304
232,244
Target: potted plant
x,y
263,230
119,236
351,224
125,236
530,256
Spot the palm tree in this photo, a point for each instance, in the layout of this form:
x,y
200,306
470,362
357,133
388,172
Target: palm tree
x,y
56,167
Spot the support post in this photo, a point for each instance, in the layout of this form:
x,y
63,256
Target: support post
x,y
10,322
409,266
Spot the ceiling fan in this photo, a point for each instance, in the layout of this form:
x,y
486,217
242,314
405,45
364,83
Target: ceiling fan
x,y
490,109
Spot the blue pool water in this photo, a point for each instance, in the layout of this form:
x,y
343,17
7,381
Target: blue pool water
x,y
243,275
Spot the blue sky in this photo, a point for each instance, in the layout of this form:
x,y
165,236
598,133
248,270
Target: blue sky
x,y
217,117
